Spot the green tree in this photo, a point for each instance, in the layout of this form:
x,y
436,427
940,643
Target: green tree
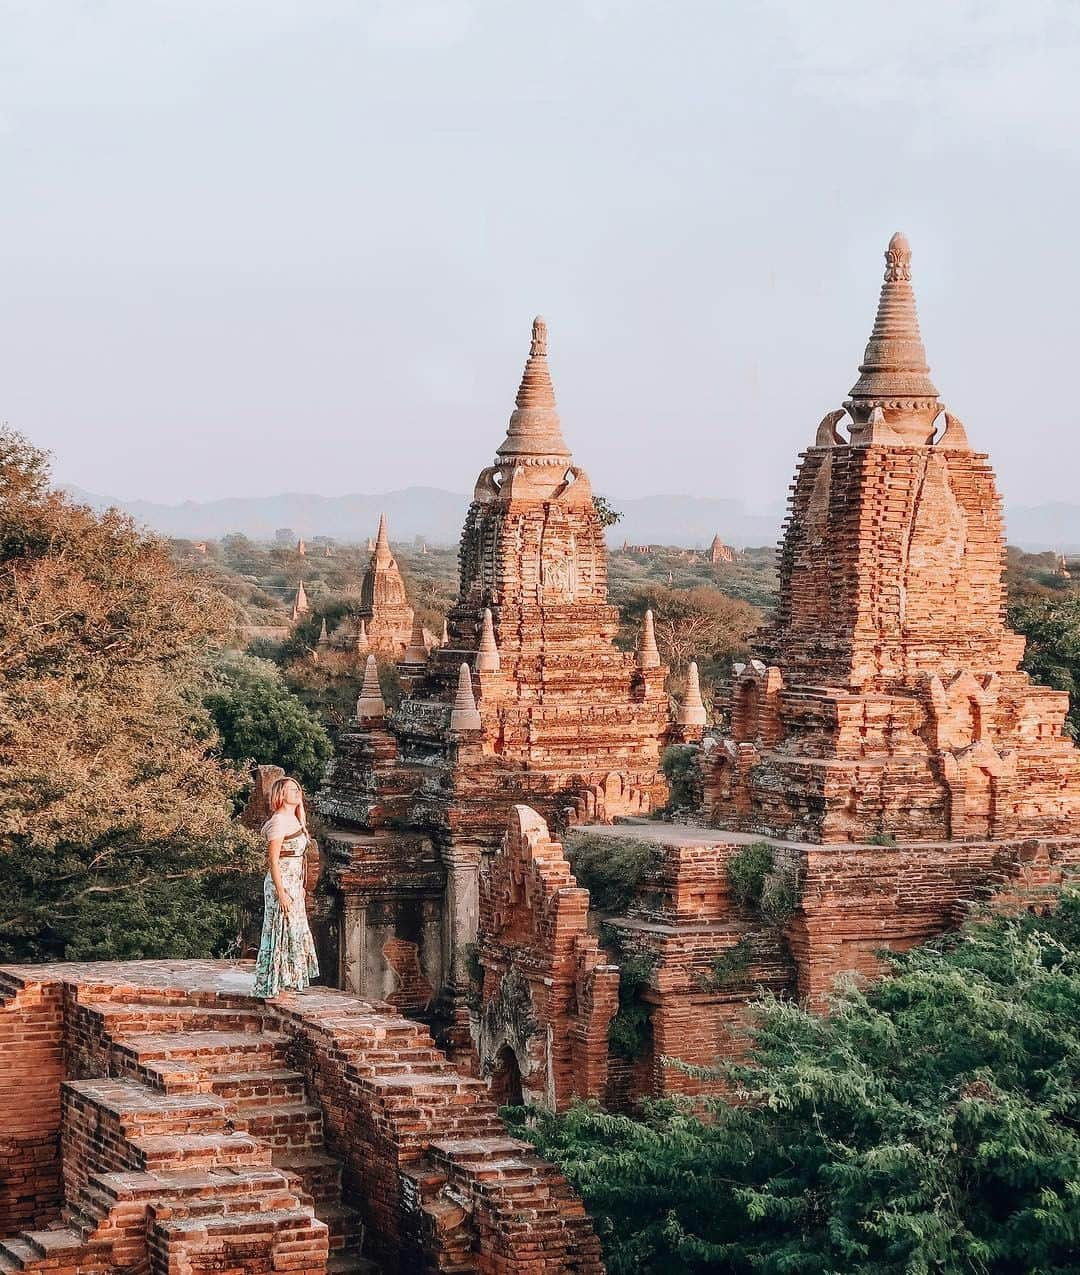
x,y
701,623
116,829
260,720
608,516
1052,628
930,1124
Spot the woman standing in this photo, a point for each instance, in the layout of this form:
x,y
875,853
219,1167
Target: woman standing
x,y
286,960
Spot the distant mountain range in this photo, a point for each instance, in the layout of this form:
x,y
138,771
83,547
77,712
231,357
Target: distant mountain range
x,y
436,516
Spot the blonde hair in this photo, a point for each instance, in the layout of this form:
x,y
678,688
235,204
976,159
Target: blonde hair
x,y
277,800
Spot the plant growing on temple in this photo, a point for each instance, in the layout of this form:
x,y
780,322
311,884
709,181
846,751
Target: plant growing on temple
x,y
630,1032
758,882
680,766
930,1124
612,869
116,829
260,720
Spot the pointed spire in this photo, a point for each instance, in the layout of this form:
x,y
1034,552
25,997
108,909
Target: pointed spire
x,y
362,642
324,637
301,606
370,704
464,715
416,651
894,372
301,548
648,654
535,431
487,654
692,710
383,555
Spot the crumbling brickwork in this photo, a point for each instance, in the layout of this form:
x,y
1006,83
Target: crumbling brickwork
x,y
548,993
203,1130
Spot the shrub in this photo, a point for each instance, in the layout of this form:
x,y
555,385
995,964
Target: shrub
x,y
680,766
612,869
756,882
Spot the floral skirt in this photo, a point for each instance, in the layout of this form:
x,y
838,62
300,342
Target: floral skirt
x,y
286,960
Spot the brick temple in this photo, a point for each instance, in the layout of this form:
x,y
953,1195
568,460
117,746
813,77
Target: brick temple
x,y
883,743
385,618
528,701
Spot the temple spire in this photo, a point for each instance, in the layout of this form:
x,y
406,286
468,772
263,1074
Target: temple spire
x,y
370,704
362,642
487,654
416,651
692,710
301,606
894,375
648,654
383,555
464,715
535,431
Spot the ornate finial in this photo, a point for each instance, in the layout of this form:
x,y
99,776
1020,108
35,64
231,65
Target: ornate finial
x,y
362,642
324,637
487,654
894,375
897,259
370,704
465,715
648,654
534,432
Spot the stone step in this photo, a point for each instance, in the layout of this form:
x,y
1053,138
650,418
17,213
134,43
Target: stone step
x,y
184,1062
16,1254
284,1125
344,1223
319,1173
281,1200
300,1220
209,1150
139,1109
125,1019
256,1088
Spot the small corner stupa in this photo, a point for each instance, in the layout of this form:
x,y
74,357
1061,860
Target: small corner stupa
x,y
385,612
301,606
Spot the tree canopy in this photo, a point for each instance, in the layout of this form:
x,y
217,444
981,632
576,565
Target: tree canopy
x,y
116,829
260,720
930,1124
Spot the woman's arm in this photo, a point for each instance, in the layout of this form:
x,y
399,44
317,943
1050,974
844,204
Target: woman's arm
x,y
273,854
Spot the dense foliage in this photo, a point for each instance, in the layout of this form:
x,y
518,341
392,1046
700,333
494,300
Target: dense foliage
x,y
1052,628
930,1124
683,773
612,869
116,829
260,720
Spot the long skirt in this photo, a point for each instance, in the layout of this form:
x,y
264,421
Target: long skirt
x,y
286,960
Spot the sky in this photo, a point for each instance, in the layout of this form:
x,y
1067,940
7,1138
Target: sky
x,y
253,246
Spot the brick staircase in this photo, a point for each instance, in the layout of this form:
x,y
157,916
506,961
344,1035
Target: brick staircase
x,y
202,1130
198,1147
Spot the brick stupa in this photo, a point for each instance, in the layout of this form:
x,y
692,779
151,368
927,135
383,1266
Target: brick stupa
x,y
385,613
529,701
886,699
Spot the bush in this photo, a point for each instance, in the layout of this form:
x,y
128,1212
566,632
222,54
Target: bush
x,y
680,766
756,882
612,869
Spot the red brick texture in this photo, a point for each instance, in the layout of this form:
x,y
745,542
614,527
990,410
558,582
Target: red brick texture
x,y
548,993
203,1130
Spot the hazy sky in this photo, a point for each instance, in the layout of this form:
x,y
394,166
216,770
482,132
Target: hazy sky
x,y
249,246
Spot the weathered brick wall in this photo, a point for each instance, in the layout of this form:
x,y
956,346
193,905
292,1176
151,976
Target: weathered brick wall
x,y
548,993
31,1067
